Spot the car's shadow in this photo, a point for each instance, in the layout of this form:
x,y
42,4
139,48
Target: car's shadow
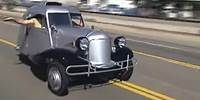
x,y
40,72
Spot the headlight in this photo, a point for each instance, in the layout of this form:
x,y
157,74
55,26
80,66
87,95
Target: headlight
x,y
120,41
82,43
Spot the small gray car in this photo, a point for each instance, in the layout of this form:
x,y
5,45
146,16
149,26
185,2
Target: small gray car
x,y
71,52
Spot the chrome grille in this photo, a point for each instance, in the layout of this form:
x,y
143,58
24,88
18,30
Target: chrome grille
x,y
100,52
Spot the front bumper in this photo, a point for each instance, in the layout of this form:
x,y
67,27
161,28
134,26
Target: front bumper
x,y
74,70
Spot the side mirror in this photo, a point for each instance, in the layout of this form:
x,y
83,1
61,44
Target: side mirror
x,y
92,27
53,28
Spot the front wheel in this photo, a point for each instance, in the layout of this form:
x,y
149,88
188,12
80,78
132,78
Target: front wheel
x,y
126,75
58,80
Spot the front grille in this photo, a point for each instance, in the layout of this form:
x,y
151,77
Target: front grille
x,y
100,52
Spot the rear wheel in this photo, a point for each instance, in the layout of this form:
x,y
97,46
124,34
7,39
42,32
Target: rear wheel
x,y
58,80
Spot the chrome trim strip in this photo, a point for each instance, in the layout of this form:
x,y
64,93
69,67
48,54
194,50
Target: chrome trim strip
x,y
50,36
90,33
94,71
98,39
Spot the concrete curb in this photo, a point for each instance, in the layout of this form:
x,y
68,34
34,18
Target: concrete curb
x,y
165,26
182,27
10,13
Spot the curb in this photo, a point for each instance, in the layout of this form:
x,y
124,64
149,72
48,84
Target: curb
x,y
132,23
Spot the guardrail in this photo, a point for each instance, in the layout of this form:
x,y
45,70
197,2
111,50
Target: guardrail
x,y
134,22
193,20
15,7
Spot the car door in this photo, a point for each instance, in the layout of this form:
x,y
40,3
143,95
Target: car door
x,y
37,40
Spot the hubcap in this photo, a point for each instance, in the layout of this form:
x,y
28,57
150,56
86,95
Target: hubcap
x,y
54,78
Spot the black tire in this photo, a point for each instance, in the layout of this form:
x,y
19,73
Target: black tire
x,y
64,78
125,76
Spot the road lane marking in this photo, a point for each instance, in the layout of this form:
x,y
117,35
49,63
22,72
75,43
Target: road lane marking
x,y
140,90
188,65
7,42
147,91
185,64
155,44
125,85
134,90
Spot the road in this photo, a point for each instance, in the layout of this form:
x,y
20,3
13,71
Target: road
x,y
160,69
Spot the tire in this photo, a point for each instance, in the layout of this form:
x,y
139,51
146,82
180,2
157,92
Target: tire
x,y
58,80
125,76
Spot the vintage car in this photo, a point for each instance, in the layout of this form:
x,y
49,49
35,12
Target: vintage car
x,y
70,51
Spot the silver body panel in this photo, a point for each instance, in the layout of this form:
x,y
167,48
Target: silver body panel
x,y
36,42
39,40
93,69
65,36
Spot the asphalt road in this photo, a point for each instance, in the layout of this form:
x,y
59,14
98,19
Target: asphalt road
x,y
155,71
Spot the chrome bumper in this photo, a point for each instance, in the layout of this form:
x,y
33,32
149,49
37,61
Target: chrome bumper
x,y
91,69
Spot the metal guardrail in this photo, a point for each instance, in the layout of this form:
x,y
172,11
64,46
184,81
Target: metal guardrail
x,y
161,25
13,7
196,20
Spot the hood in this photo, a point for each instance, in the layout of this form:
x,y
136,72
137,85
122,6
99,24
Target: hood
x,y
73,32
97,35
66,36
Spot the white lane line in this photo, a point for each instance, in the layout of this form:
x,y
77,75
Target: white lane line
x,y
155,44
185,49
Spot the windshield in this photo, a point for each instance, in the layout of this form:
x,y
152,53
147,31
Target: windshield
x,y
59,19
63,19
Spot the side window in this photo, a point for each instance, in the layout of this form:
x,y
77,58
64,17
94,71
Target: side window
x,y
39,22
44,22
77,20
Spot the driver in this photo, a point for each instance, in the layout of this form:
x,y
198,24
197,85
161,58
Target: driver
x,y
33,21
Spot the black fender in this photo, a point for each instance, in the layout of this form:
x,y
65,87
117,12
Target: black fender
x,y
63,56
121,54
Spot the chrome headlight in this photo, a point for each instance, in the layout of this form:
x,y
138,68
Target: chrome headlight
x,y
120,41
82,43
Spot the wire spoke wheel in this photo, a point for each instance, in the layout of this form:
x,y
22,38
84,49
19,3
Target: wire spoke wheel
x,y
58,80
54,78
